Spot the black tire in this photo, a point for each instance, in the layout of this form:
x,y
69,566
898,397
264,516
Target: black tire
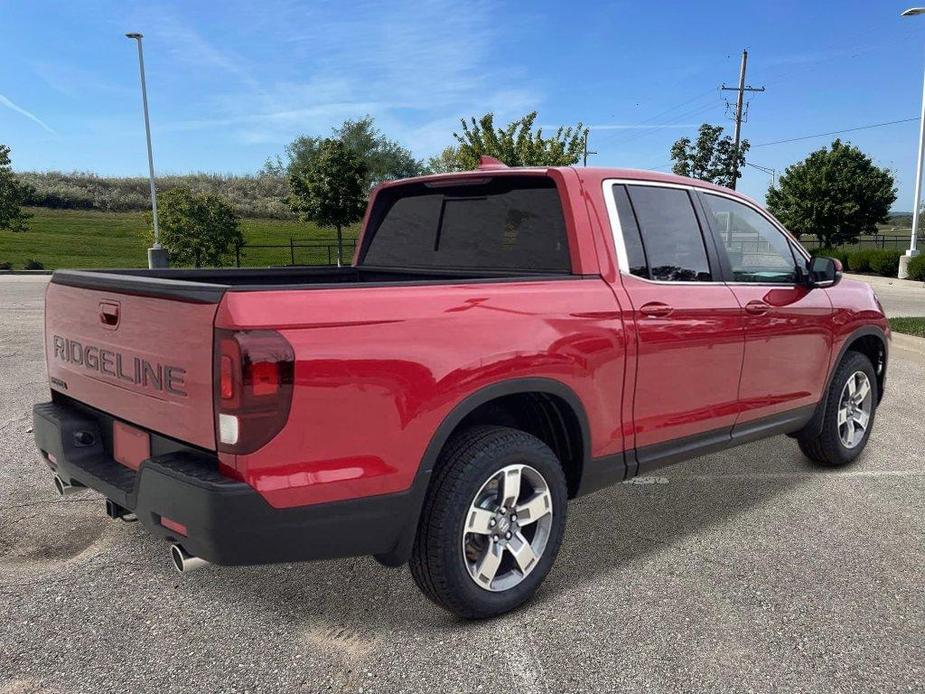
x,y
827,448
471,458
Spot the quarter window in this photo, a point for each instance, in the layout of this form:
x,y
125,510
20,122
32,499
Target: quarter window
x,y
671,235
632,242
758,251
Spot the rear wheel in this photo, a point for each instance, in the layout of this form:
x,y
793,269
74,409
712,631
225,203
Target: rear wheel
x,y
849,415
492,524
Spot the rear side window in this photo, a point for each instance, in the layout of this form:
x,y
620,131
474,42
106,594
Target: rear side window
x,y
503,223
671,236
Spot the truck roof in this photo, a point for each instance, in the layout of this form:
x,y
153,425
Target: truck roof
x,y
590,175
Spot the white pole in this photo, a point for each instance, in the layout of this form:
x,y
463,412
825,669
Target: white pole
x,y
158,258
918,174
912,252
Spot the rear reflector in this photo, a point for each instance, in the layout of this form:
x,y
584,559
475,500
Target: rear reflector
x,y
226,378
178,528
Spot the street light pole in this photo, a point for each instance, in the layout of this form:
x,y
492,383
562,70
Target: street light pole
x,y
912,252
157,256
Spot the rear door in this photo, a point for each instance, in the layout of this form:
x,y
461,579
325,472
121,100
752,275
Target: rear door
x,y
788,336
142,359
687,321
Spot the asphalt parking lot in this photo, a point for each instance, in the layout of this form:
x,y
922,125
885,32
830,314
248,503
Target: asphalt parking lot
x,y
748,570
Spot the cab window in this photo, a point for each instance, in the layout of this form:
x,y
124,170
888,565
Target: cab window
x,y
757,250
671,239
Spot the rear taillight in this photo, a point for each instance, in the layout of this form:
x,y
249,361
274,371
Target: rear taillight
x,y
253,387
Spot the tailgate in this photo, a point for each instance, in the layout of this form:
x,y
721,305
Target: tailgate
x,y
143,359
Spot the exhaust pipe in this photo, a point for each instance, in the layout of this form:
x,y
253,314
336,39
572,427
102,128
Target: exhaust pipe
x,y
66,488
183,561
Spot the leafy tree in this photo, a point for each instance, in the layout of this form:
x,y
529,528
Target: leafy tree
x,y
12,195
332,191
711,158
517,144
835,193
385,159
445,162
196,228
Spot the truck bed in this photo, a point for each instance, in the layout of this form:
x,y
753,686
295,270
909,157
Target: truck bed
x,y
208,285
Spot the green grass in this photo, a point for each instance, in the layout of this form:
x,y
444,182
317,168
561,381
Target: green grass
x,y
91,239
909,326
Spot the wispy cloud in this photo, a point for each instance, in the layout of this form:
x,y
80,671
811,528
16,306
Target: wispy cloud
x,y
23,112
190,47
415,66
73,81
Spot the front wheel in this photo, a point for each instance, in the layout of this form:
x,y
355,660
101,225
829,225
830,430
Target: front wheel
x,y
849,415
492,524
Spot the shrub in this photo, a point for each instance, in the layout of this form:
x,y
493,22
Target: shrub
x,y
6,266
263,195
885,262
33,264
859,261
840,253
196,228
917,268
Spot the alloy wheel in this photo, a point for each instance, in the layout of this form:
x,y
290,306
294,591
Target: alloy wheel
x,y
507,527
854,408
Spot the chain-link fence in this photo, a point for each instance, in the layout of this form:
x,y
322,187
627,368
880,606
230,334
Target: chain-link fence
x,y
896,242
294,253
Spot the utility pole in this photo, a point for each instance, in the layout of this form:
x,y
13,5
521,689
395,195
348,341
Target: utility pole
x,y
739,112
585,158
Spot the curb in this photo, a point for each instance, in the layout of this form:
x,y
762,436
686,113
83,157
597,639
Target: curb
x,y
880,280
25,272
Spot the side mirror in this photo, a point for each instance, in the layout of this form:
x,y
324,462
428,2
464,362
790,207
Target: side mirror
x,y
822,272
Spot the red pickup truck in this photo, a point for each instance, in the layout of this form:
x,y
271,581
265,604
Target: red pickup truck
x,y
505,340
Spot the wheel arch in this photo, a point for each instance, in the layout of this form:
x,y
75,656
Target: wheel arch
x,y
551,399
869,340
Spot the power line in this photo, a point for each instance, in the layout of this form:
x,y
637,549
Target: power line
x,y
679,118
837,132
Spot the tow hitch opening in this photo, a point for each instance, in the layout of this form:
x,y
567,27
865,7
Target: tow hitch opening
x,y
115,511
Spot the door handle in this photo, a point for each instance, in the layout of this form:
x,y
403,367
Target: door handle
x,y
655,309
757,308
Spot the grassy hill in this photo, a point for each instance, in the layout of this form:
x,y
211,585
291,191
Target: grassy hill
x,y
92,239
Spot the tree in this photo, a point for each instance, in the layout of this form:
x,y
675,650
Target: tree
x,y
332,191
445,162
712,158
196,228
835,193
517,144
385,159
12,195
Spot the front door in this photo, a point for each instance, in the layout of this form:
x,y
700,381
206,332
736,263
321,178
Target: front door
x,y
788,338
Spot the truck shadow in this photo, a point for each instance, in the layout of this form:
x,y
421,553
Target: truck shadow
x,y
610,532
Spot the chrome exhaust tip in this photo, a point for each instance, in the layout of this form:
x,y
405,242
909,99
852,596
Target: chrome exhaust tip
x,y
183,561
65,488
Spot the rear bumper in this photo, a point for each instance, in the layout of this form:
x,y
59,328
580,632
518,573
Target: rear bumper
x,y
227,521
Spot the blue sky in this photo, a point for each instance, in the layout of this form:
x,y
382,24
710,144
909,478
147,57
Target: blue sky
x,y
231,83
